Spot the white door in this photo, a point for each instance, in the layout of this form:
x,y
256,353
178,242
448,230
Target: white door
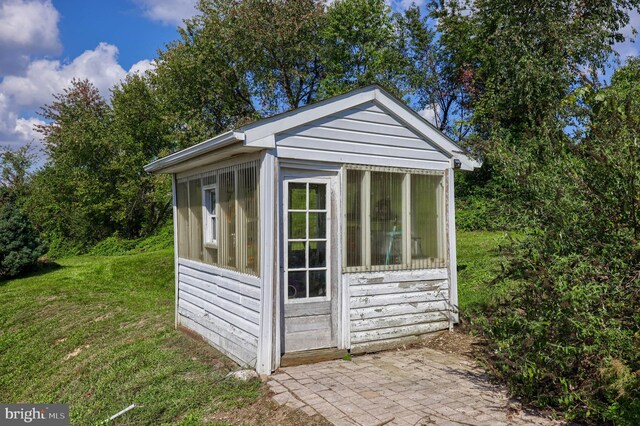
x,y
309,290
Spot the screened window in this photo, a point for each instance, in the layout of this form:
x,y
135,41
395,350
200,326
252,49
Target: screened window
x,y
228,228
218,217
394,219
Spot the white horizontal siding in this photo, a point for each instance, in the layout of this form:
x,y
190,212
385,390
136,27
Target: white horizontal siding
x,y
222,306
387,307
364,135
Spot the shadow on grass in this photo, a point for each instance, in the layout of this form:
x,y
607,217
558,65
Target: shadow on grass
x,y
41,268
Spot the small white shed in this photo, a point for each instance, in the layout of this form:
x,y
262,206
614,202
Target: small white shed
x,y
329,226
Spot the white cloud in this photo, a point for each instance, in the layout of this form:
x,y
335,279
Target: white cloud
x,y
7,116
27,27
16,132
630,46
45,77
141,67
28,30
25,129
170,12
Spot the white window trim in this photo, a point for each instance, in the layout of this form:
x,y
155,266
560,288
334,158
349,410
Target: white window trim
x,y
327,211
207,215
407,262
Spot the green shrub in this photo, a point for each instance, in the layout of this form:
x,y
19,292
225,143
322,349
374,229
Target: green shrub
x,y
118,246
159,240
60,247
569,336
475,214
113,246
20,244
483,204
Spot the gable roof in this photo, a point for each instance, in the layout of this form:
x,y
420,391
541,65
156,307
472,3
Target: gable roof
x,y
261,134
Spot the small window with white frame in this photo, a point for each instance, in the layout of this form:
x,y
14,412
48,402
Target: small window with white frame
x,y
210,215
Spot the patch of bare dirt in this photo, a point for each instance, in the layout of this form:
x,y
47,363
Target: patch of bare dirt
x,y
265,411
75,352
456,342
103,317
453,342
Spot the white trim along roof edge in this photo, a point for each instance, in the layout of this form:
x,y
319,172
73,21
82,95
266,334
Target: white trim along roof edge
x,y
209,145
261,134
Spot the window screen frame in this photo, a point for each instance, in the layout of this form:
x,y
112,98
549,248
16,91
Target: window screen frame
x,y
406,218
242,254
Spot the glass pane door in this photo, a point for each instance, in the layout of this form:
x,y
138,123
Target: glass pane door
x,y
306,259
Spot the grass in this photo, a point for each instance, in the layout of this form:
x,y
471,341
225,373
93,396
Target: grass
x,y
97,333
479,261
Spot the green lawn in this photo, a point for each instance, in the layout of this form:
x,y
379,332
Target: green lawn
x,y
98,334
478,264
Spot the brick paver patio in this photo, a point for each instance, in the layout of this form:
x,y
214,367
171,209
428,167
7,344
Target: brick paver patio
x,y
409,387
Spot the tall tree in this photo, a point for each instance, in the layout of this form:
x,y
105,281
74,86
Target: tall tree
x,y
15,169
522,61
77,120
362,46
435,82
71,194
141,201
93,184
277,43
523,58
238,61
201,89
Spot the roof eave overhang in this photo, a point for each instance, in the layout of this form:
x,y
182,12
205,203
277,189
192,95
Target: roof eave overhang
x,y
165,164
466,163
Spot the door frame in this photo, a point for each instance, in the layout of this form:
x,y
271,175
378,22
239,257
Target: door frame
x,y
340,298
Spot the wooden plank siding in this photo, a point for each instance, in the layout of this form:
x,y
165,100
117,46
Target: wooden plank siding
x,y
222,306
392,307
366,134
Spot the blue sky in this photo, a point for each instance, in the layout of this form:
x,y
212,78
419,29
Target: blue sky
x,y
46,43
86,23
